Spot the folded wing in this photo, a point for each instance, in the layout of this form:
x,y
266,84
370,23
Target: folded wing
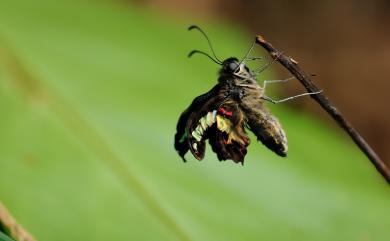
x,y
217,118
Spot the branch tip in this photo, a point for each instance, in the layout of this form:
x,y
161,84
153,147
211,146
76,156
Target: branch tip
x,y
260,39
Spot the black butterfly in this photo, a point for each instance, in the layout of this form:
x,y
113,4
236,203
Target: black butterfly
x,y
223,115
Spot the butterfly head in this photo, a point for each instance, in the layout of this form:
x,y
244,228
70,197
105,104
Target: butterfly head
x,y
232,66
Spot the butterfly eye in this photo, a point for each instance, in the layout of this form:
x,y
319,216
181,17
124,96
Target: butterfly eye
x,y
233,66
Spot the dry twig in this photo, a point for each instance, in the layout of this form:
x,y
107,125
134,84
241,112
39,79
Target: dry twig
x,y
305,80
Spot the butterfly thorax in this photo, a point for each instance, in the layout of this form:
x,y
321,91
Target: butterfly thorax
x,y
240,80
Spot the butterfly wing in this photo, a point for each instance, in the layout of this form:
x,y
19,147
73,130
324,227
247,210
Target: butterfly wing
x,y
216,117
186,138
227,137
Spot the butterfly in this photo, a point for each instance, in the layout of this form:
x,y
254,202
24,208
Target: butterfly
x,y
224,115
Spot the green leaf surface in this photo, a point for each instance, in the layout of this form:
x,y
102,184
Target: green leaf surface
x,y
4,237
90,93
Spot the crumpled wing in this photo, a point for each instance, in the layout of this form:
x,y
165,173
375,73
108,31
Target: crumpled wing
x,y
215,117
189,120
227,137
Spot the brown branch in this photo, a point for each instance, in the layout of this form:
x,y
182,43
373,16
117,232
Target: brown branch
x,y
293,67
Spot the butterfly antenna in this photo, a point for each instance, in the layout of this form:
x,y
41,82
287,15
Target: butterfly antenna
x,y
207,38
201,52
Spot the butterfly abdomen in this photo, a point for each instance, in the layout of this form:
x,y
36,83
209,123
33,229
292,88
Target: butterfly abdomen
x,y
266,127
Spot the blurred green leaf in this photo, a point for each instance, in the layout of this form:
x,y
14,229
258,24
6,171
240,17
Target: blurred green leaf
x,y
90,93
4,237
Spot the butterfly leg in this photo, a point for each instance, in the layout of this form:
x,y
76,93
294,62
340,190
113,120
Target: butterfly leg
x,y
256,58
248,52
265,82
265,66
264,97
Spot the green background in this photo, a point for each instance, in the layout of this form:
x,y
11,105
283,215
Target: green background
x,y
90,93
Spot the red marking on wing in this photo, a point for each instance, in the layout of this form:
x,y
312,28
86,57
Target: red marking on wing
x,y
222,111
